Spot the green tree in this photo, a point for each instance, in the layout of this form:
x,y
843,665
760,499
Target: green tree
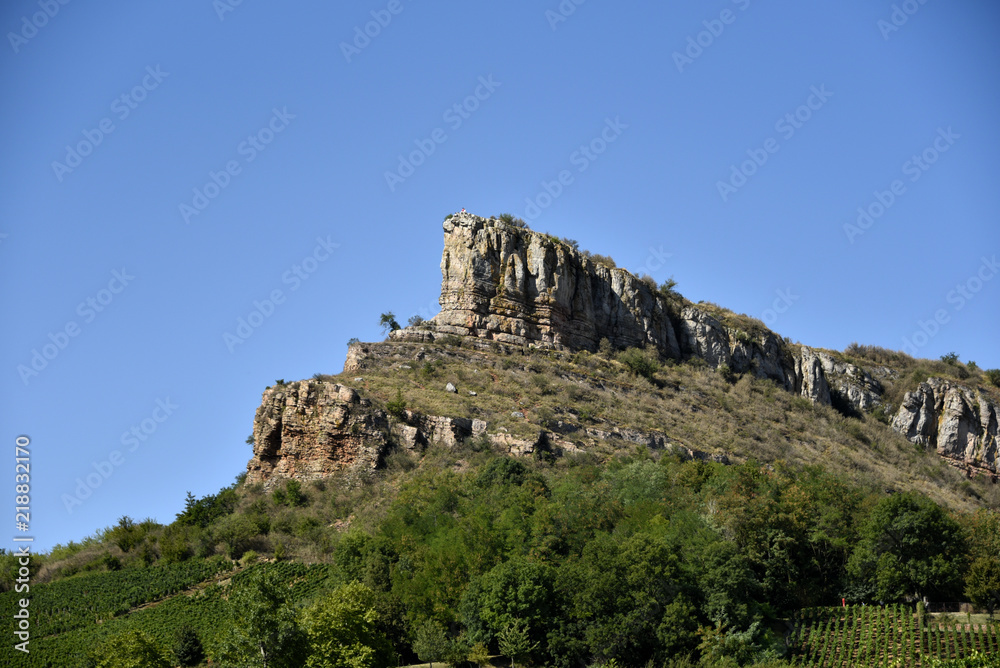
x,y
342,629
388,322
514,640
479,654
909,547
431,642
188,650
262,631
236,531
130,649
126,534
982,584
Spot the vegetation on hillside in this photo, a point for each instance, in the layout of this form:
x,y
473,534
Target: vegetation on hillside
x,y
641,560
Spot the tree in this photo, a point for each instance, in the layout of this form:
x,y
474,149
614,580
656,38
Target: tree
x,y
414,320
478,654
909,547
343,632
130,649
982,584
261,630
388,322
514,640
431,643
236,531
126,534
188,650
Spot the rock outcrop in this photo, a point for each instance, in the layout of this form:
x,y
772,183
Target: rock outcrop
x,y
957,422
505,288
310,429
513,286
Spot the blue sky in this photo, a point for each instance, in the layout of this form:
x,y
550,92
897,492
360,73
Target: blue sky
x,y
169,168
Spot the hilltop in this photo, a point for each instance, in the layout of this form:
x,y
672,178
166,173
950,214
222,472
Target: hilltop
x,y
554,350
569,465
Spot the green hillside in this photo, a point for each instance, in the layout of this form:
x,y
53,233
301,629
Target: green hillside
x,y
606,554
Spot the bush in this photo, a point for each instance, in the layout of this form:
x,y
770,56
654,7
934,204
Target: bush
x,y
993,377
502,471
397,407
291,495
667,287
606,260
511,219
414,321
640,362
950,358
188,650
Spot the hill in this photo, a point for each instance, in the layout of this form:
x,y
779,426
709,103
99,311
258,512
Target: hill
x,y
569,465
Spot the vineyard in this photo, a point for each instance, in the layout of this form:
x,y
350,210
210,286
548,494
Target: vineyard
x,y
884,636
71,617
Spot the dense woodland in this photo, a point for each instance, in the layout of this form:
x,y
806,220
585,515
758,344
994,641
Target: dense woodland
x,y
646,560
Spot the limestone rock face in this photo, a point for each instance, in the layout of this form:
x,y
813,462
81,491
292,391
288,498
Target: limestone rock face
x,y
810,381
704,337
857,386
310,429
959,423
520,287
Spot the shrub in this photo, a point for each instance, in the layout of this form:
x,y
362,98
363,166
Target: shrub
x,y
606,260
353,341
649,280
290,496
604,347
640,362
249,558
950,358
572,243
511,219
878,354
397,406
502,471
993,376
414,321
188,650
387,321
667,287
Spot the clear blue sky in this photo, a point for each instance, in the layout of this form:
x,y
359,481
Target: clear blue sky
x,y
300,119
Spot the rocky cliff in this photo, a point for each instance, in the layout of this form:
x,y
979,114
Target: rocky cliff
x,y
959,423
514,286
506,288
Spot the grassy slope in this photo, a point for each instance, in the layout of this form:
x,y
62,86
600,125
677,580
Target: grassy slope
x,y
691,404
